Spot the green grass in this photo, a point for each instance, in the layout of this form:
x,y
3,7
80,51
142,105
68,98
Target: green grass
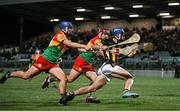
x,y
155,94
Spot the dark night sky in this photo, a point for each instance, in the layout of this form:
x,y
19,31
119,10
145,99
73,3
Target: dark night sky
x,y
10,29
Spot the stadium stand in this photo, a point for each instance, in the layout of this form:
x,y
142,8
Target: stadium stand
x,y
165,41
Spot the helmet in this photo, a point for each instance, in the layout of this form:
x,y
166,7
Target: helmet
x,y
65,24
116,31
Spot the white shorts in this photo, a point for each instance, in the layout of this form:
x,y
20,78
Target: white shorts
x,y
107,69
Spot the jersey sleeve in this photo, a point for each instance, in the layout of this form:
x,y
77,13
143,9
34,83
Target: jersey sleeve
x,y
61,38
98,42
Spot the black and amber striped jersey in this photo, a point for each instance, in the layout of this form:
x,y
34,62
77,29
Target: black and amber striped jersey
x,y
112,55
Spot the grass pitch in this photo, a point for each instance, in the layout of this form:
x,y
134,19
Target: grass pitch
x,y
155,94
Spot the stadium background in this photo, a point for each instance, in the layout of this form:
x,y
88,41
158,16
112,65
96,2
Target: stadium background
x,y
27,27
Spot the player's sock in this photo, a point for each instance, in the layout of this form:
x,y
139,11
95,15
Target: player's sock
x,y
125,90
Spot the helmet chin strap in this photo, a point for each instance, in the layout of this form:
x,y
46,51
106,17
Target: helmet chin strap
x,y
65,30
118,38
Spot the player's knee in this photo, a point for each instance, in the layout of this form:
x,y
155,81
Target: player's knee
x,y
129,76
130,79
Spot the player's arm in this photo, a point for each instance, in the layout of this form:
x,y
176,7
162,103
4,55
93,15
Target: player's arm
x,y
95,48
62,39
74,44
99,47
82,50
101,50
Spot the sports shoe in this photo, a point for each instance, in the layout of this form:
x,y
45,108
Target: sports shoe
x,y
66,97
46,82
90,99
4,77
129,94
70,96
63,99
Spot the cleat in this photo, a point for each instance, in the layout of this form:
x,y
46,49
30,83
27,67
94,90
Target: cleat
x,y
5,77
66,97
91,99
130,95
70,96
63,99
46,82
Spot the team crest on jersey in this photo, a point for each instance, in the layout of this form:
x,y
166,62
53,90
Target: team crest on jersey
x,y
79,69
39,65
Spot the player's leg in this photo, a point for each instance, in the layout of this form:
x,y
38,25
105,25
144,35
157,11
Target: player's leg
x,y
91,75
59,74
120,73
77,69
123,74
97,84
71,77
32,71
74,74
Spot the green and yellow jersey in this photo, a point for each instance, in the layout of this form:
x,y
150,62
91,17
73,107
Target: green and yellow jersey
x,y
56,48
90,57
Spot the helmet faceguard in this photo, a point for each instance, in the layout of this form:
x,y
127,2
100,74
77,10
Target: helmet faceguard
x,y
118,36
117,33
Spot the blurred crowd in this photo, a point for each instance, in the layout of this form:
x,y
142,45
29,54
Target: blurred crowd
x,y
163,40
